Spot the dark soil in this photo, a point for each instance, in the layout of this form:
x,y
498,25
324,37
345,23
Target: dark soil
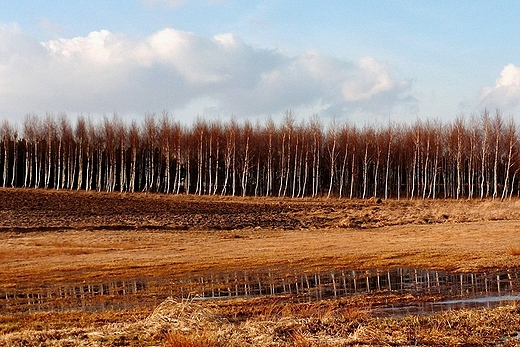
x,y
25,210
43,210
48,210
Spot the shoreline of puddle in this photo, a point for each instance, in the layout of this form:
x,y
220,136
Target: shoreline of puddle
x,y
487,289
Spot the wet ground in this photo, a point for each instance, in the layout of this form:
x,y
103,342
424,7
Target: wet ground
x,y
427,291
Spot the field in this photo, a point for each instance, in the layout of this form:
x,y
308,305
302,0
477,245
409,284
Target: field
x,y
53,243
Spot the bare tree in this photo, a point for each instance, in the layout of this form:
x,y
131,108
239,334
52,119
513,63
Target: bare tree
x,y
316,154
30,128
120,130
65,153
134,146
389,138
230,133
368,138
7,133
200,132
497,129
512,141
216,130
270,129
81,140
246,157
332,138
484,152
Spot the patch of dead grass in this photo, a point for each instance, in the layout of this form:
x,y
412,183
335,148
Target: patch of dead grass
x,y
175,338
177,323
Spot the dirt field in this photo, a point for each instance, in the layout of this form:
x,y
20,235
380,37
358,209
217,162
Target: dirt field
x,y
54,235
61,237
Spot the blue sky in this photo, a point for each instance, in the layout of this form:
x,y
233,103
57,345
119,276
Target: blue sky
x,y
358,61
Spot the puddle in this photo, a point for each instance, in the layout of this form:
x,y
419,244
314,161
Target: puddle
x,y
340,283
468,290
422,307
85,296
485,300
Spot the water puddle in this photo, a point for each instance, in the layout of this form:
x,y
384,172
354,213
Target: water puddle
x,y
432,291
429,307
116,294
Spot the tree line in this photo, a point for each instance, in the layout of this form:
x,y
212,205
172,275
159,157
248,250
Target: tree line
x,y
469,158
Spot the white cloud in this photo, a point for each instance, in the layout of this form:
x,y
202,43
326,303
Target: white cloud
x,y
176,70
505,94
372,79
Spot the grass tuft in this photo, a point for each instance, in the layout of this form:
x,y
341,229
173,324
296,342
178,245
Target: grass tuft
x,y
300,339
175,338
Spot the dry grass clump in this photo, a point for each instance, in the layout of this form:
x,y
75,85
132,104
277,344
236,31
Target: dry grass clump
x,y
185,323
184,315
341,323
483,327
275,322
177,338
39,321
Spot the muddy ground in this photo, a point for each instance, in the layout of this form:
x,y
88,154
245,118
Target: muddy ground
x,y
45,210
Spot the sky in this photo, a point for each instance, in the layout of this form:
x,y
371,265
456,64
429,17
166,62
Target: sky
x,y
363,62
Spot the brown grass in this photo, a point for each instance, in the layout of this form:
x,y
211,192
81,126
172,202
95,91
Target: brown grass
x,y
56,256
102,239
176,338
327,323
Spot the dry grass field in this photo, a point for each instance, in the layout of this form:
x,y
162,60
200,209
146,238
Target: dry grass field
x,y
55,239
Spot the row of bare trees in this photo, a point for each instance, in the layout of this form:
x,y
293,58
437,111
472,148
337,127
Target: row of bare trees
x,y
466,158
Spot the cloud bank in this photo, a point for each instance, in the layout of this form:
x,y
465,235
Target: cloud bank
x,y
505,94
173,70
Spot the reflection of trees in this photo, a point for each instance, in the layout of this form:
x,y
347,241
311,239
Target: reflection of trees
x,y
338,283
94,296
306,286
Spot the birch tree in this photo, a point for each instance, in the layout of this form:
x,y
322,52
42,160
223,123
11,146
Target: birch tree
x,y
332,145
